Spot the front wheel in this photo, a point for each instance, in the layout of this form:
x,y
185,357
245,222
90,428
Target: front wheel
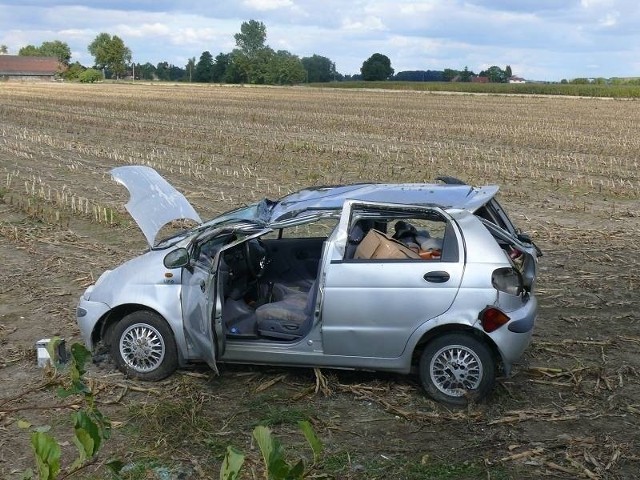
x,y
456,368
143,346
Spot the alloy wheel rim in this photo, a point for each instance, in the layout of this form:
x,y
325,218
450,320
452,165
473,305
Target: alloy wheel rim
x,y
456,369
142,347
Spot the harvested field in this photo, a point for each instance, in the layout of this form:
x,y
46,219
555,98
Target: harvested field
x,y
568,171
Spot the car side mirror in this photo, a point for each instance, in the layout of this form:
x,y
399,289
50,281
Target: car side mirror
x,y
178,258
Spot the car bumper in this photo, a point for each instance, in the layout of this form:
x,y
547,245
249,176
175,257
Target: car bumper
x,y
513,338
88,314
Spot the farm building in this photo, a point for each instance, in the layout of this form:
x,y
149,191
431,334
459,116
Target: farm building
x,y
515,79
21,68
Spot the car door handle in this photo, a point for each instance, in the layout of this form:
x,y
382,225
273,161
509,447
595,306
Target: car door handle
x,y
202,285
437,277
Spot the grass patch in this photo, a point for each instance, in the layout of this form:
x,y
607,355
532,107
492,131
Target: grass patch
x,y
284,415
586,90
342,464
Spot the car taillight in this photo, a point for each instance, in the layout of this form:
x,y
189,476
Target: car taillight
x,y
492,319
507,280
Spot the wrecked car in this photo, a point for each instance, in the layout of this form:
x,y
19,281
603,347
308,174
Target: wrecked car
x,y
426,278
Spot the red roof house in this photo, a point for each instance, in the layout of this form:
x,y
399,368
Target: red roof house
x,y
17,67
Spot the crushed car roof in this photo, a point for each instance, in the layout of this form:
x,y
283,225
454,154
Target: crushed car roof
x,y
154,202
327,198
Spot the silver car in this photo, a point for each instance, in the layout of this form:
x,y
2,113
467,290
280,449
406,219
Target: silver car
x,y
432,278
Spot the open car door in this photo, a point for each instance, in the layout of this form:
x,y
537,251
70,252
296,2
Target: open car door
x,y
202,293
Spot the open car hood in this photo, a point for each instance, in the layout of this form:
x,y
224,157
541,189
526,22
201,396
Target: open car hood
x,y
153,201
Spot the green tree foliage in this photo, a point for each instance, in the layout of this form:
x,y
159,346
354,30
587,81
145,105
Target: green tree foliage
x,y
204,68
146,71
110,53
238,68
284,68
29,51
255,62
507,72
580,81
466,75
162,71
74,71
495,74
319,69
168,72
249,61
57,49
190,67
220,66
4,49
90,75
251,38
376,67
449,74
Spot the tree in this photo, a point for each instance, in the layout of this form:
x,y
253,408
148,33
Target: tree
x,y
4,50
74,71
190,67
507,72
376,67
146,71
284,68
238,68
29,51
220,66
495,74
162,71
110,52
204,68
466,74
319,68
419,76
57,49
251,38
90,75
449,74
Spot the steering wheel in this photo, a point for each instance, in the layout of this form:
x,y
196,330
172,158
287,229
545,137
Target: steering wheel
x,y
255,256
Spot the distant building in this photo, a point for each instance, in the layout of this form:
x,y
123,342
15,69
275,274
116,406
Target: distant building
x,y
21,68
515,79
479,79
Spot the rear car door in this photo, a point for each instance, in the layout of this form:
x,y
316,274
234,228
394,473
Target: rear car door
x,y
371,306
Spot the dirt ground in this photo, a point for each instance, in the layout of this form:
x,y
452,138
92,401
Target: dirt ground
x,y
571,409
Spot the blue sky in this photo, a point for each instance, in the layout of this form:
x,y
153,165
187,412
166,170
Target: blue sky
x,y
540,39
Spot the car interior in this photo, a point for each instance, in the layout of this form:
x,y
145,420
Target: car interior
x,y
269,284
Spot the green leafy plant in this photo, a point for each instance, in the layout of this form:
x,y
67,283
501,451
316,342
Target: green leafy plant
x,y
273,455
90,426
231,464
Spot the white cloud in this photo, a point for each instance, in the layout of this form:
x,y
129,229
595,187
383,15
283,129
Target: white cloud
x,y
265,5
367,24
541,39
609,20
144,30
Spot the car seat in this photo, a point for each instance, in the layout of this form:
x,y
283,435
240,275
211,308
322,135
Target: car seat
x,y
289,318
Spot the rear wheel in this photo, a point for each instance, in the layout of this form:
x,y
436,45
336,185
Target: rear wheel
x,y
456,368
143,346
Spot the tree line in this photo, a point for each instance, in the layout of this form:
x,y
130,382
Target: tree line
x,y
252,61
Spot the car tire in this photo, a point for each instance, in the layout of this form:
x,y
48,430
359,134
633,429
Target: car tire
x,y
143,346
475,369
